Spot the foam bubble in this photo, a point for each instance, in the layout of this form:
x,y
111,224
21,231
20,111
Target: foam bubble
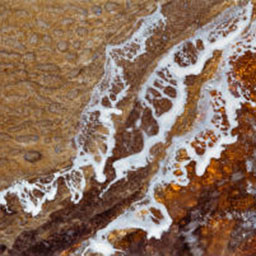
x,y
211,130
128,50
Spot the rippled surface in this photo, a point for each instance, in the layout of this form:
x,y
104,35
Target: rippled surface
x,y
164,154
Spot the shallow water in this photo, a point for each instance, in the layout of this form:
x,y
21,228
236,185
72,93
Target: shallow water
x,y
161,161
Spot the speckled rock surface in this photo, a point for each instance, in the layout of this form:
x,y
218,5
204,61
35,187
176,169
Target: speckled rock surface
x,y
56,135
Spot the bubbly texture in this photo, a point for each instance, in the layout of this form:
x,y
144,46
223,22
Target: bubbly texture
x,y
211,131
96,116
160,102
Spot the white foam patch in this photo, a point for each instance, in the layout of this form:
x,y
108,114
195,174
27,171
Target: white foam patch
x,y
114,74
211,131
33,195
129,50
174,72
216,98
139,216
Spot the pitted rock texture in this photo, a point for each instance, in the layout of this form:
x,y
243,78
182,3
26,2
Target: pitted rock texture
x,y
52,57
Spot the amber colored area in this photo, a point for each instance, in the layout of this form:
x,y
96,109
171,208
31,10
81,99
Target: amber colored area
x,y
51,57
244,72
215,214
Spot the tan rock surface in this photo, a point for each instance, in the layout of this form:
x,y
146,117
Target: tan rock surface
x,y
52,55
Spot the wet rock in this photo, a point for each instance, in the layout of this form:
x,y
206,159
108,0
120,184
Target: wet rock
x,y
57,76
97,10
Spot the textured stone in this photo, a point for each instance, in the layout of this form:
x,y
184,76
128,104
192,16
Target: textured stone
x,y
48,70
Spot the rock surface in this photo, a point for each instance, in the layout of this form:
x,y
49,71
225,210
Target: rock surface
x,y
148,126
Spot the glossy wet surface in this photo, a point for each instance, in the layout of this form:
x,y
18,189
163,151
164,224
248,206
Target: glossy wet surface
x,y
163,158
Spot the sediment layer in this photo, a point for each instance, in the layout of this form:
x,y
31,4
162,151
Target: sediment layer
x,y
102,101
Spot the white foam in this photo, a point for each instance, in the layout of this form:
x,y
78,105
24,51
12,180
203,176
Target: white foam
x,y
208,109
27,192
249,165
226,100
138,216
128,50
